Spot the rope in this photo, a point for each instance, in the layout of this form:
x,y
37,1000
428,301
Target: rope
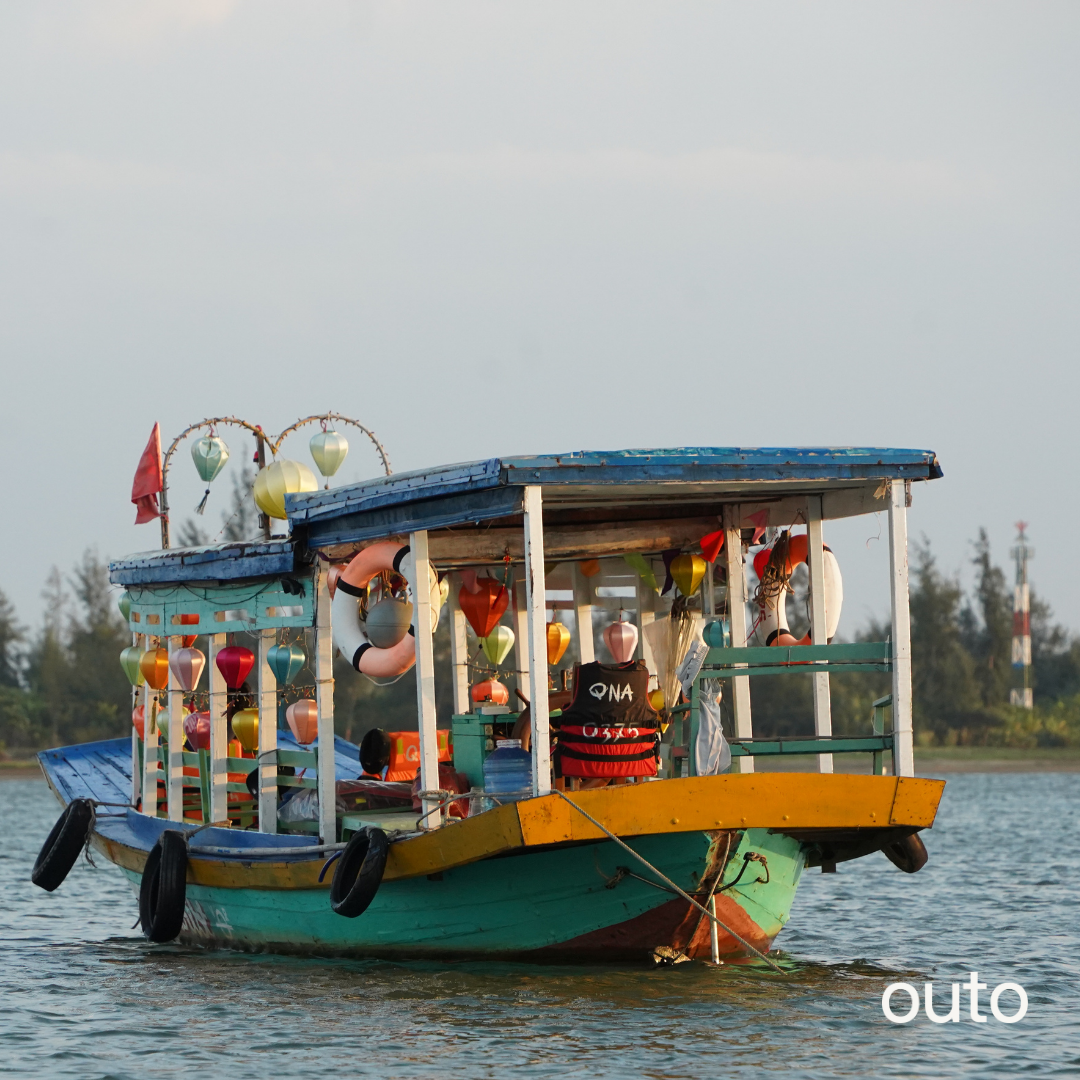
x,y
671,884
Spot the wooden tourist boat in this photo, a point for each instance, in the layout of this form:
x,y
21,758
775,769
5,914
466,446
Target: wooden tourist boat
x,y
620,867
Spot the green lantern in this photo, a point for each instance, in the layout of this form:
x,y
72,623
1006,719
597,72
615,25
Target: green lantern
x,y
129,661
209,454
329,449
497,644
124,604
286,662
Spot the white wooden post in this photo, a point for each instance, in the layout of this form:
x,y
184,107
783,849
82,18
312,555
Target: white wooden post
x,y
459,651
268,789
151,742
521,637
425,679
324,701
903,739
583,598
646,615
219,735
174,772
736,581
818,624
136,777
536,606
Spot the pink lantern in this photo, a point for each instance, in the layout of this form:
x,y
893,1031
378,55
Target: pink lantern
x,y
187,665
303,718
197,730
621,638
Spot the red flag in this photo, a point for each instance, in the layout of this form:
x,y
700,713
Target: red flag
x,y
144,491
711,545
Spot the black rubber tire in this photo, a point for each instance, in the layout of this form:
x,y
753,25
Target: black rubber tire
x,y
359,872
163,891
60,851
909,854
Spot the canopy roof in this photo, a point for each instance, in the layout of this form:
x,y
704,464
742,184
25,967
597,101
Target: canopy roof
x,y
610,486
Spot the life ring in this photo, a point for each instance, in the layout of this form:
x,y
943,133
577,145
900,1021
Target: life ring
x,y
62,847
909,854
163,892
349,636
359,872
773,624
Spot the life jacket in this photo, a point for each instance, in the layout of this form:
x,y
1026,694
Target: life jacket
x,y
405,753
609,728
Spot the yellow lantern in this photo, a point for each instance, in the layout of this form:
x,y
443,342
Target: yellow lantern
x,y
558,637
278,480
154,665
688,572
245,726
656,700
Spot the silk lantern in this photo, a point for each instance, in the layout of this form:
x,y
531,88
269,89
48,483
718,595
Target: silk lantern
x,y
687,572
197,730
303,719
621,638
484,608
490,690
278,480
245,727
328,448
154,665
124,604
498,644
589,567
138,719
235,663
209,454
656,700
188,620
716,634
388,622
129,661
187,665
558,638
286,662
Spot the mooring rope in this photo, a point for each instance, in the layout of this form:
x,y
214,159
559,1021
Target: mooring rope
x,y
663,877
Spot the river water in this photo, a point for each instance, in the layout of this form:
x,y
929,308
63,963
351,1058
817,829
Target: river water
x,y
83,995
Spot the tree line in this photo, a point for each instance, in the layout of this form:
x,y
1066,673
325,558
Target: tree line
x,y
63,683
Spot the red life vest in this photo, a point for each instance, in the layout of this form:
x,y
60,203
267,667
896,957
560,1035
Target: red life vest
x,y
609,729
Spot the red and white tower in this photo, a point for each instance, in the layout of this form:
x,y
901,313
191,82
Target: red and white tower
x,y
1021,643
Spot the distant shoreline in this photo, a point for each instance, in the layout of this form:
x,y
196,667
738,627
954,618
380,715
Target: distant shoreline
x,y
929,761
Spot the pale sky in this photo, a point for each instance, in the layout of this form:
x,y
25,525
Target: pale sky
x,y
487,228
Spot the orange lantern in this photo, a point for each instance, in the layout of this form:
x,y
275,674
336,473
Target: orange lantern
x,y
589,567
558,637
484,608
303,718
189,639
490,690
154,665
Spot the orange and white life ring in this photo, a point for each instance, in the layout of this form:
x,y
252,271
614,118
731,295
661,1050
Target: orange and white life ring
x,y
773,623
349,635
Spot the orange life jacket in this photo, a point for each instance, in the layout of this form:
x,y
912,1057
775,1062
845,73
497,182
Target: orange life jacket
x,y
405,753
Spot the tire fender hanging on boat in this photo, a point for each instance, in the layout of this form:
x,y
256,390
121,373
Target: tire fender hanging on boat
x,y
909,854
349,636
359,872
163,891
62,846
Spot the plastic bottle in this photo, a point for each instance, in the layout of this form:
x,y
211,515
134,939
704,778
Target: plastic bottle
x,y
508,771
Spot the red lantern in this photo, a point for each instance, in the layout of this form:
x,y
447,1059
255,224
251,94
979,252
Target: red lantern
x,y
621,638
303,718
485,607
138,718
490,690
197,730
188,639
234,662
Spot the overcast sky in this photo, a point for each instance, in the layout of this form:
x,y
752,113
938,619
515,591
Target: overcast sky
x,y
511,227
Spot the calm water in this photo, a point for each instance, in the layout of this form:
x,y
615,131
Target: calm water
x,y
82,995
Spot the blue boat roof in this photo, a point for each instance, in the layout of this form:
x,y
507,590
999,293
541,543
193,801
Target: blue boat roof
x,y
478,491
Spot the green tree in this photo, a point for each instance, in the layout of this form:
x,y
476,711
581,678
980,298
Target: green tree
x,y
11,637
986,627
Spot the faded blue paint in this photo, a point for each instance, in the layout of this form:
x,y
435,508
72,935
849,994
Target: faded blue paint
x,y
219,562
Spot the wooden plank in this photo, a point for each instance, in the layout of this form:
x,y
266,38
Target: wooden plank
x,y
772,654
136,759
736,576
267,691
425,679
904,748
174,783
818,623
535,601
520,615
219,733
583,615
150,750
459,648
324,700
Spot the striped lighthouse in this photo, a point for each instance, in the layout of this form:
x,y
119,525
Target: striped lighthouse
x,y
1022,695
